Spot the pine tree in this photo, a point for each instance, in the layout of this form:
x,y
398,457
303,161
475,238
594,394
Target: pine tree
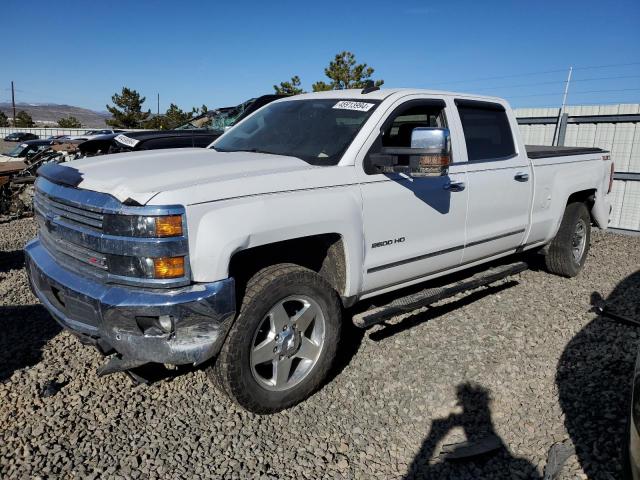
x,y
291,87
23,119
69,122
127,110
344,72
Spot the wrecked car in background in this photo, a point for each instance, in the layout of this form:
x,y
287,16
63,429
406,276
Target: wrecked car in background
x,y
24,150
17,175
197,132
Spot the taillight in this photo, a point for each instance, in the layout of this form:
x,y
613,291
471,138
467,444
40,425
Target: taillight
x,y
611,178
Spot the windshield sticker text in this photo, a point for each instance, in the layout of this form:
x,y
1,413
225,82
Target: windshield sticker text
x,y
357,106
129,142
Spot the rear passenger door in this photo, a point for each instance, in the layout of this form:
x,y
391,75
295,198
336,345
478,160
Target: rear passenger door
x,y
499,178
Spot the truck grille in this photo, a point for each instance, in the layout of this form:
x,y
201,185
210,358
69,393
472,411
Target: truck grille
x,y
47,206
59,247
61,225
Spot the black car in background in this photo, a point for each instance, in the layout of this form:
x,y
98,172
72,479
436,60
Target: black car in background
x,y
25,150
197,132
20,137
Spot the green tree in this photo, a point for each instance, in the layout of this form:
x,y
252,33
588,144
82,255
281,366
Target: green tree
x,y
127,109
291,87
69,122
157,122
4,121
175,116
203,109
23,119
344,72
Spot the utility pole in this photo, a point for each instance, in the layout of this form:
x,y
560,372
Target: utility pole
x,y
13,101
158,104
564,102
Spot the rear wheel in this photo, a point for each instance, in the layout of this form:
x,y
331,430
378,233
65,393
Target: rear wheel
x,y
568,250
283,342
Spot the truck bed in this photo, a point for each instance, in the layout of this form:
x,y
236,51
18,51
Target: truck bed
x,y
545,151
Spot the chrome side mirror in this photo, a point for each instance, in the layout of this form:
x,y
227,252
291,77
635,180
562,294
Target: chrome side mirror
x,y
436,139
428,156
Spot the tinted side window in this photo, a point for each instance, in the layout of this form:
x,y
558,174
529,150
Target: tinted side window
x,y
486,131
398,133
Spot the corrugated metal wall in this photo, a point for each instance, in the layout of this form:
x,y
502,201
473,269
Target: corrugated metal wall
x,y
622,139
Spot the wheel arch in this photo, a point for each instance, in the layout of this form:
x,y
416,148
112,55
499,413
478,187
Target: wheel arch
x,y
324,254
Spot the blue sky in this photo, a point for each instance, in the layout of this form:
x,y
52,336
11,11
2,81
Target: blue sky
x,y
221,53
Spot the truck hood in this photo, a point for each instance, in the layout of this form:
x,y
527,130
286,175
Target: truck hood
x,y
191,175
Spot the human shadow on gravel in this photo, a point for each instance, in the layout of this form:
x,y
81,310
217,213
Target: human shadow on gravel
x,y
11,260
25,329
482,456
594,377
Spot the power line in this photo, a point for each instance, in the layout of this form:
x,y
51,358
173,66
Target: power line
x,y
548,94
606,78
607,66
537,73
556,82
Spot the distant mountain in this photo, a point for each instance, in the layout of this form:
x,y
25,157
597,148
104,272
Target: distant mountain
x,y
50,113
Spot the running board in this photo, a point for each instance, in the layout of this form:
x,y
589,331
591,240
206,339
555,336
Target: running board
x,y
432,295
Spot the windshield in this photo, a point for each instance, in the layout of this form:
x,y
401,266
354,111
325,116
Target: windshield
x,y
316,131
216,119
17,150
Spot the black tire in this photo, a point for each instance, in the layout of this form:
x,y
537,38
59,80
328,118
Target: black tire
x,y
232,371
560,258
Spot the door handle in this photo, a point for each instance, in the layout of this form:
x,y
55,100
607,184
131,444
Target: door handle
x,y
522,177
454,186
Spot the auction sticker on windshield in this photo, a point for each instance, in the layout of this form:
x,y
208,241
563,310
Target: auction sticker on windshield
x,y
129,142
358,106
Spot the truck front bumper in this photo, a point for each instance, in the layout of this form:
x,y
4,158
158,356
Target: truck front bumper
x,y
181,326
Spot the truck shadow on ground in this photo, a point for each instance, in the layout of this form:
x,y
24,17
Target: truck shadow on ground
x,y
594,377
482,456
11,260
25,330
438,311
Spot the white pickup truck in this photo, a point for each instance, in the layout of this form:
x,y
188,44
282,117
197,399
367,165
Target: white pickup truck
x,y
247,253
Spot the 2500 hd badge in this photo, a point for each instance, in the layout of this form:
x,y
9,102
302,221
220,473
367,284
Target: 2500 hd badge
x,y
387,242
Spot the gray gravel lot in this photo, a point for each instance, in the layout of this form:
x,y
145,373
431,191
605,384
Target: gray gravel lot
x,y
525,360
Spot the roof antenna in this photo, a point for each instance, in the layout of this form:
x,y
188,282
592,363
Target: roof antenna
x,y
369,87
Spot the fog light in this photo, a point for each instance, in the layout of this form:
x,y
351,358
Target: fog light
x,y
168,267
165,323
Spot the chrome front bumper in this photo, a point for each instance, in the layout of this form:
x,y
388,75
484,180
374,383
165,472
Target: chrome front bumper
x,y
115,317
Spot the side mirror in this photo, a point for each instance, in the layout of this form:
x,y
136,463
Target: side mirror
x,y
428,156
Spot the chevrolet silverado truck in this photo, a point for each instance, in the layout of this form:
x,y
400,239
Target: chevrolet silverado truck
x,y
245,255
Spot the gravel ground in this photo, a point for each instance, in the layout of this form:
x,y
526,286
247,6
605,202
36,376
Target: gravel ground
x,y
524,360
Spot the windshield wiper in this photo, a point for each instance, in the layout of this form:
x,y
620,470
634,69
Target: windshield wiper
x,y
254,150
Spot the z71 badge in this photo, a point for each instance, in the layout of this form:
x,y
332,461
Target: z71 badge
x,y
387,242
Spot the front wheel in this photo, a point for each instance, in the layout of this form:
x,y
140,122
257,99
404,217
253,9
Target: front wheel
x,y
568,250
283,342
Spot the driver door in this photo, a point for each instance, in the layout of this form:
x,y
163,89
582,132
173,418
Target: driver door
x,y
413,227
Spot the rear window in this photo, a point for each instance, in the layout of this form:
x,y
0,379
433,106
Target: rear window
x,y
486,130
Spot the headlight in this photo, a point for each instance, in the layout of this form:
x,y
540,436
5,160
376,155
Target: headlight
x,y
142,226
146,267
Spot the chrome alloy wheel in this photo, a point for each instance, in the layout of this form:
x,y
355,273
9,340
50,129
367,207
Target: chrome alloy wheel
x,y
579,240
287,343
